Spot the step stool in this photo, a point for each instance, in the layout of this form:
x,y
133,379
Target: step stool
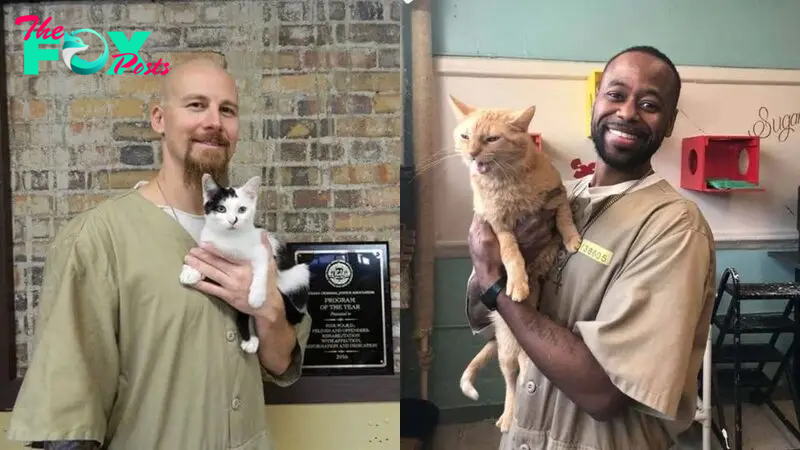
x,y
733,322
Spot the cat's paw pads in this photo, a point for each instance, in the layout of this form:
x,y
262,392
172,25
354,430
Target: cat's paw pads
x,y
190,275
251,345
573,244
504,422
517,288
256,298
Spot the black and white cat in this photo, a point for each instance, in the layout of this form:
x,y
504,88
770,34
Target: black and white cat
x,y
230,228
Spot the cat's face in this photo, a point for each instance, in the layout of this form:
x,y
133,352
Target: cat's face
x,y
229,208
492,142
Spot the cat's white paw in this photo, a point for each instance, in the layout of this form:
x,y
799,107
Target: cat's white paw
x,y
190,275
250,346
256,298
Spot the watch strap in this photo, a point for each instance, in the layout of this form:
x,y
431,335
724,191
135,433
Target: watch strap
x,y
489,297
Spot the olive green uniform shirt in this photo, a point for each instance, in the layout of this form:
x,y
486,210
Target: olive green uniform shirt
x,y
127,356
641,302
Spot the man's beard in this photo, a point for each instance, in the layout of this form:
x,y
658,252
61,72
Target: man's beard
x,y
215,164
634,158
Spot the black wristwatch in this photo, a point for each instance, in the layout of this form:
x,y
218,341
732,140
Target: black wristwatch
x,y
489,298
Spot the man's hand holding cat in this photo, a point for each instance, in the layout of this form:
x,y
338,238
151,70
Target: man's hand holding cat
x,y
233,278
533,233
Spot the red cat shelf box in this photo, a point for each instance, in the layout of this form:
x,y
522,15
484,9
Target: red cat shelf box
x,y
720,163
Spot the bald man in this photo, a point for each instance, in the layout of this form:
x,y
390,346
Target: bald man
x,y
125,356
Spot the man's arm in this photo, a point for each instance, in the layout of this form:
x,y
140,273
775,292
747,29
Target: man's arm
x,y
71,383
625,353
560,355
287,323
279,329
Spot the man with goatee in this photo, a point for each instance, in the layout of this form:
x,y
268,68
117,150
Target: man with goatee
x,y
126,357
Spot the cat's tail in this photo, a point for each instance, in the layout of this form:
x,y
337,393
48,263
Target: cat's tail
x,y
468,377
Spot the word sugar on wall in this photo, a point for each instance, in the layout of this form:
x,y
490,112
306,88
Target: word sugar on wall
x,y
126,58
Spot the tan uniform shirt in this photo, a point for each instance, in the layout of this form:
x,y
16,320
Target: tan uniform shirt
x,y
127,356
641,301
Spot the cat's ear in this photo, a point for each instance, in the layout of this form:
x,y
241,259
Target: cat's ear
x,y
209,185
250,188
522,119
460,108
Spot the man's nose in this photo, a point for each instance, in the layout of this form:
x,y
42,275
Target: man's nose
x,y
628,111
212,119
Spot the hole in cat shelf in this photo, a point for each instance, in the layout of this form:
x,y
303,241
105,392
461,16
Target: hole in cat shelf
x,y
693,161
744,161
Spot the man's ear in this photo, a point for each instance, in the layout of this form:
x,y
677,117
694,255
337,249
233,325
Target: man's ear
x,y
157,119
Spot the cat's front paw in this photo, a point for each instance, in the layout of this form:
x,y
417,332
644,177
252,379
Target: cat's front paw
x,y
251,345
256,298
573,243
517,286
504,422
190,275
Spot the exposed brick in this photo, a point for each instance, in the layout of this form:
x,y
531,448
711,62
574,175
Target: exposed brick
x,y
127,108
137,155
207,37
384,197
368,81
347,198
390,58
34,180
293,11
305,222
368,10
377,33
336,10
369,126
120,179
324,35
146,13
311,199
396,12
177,58
301,128
299,176
353,221
299,35
326,152
134,131
32,205
293,151
365,174
369,150
130,84
181,13
387,103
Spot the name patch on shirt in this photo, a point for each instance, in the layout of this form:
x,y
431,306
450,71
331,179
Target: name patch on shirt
x,y
596,252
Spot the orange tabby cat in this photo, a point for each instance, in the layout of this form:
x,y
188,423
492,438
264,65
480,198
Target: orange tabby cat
x,y
510,180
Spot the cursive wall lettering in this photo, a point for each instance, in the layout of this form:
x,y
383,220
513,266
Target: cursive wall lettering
x,y
781,126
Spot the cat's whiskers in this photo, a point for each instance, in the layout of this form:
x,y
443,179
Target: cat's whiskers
x,y
434,162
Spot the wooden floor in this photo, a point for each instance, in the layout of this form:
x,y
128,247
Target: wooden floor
x,y
761,430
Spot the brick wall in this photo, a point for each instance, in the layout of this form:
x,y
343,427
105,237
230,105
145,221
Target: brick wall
x,y
319,85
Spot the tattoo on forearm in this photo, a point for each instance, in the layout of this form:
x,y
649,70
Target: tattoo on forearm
x,y
72,445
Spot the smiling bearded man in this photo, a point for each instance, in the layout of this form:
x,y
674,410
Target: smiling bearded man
x,y
125,356
618,340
